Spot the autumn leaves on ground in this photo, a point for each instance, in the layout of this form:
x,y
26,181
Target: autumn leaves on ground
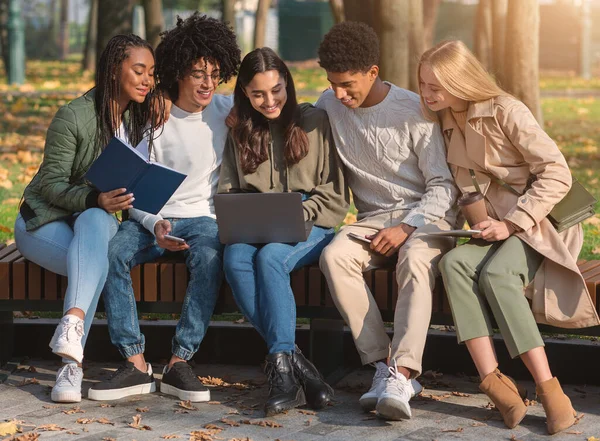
x,y
27,111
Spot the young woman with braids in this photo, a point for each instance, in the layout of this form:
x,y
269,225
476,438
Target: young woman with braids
x,y
64,224
277,145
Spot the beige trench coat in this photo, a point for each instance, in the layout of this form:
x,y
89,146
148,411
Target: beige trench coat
x,y
502,139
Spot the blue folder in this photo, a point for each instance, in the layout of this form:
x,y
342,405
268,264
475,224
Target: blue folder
x,y
121,166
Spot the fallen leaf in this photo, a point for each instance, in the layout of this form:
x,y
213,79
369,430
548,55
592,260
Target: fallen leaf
x,y
142,409
478,424
233,412
172,436
85,420
307,422
9,428
204,435
137,423
49,407
457,430
574,432
70,432
530,402
105,421
26,381
29,436
460,394
239,321
593,438
262,423
108,439
31,368
228,422
73,410
105,405
578,418
307,412
187,405
435,397
214,402
50,428
214,426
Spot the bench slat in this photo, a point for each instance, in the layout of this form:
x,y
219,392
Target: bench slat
x,y
136,282
314,286
299,286
34,281
181,281
166,282
19,280
382,287
150,277
50,285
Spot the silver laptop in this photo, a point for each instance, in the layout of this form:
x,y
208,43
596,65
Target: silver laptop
x,y
261,218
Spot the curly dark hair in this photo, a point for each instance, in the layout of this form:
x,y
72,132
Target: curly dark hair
x,y
349,47
198,36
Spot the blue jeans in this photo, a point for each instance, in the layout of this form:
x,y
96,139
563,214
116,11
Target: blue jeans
x,y
134,245
259,277
78,252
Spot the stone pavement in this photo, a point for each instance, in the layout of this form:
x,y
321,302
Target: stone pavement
x,y
450,408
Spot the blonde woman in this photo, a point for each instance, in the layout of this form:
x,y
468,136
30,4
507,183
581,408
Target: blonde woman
x,y
494,143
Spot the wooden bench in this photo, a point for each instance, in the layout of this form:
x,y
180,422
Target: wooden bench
x,y
160,288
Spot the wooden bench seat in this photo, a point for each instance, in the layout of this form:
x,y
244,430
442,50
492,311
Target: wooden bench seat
x,y
160,288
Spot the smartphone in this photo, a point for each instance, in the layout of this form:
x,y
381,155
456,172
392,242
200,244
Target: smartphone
x,y
174,239
359,237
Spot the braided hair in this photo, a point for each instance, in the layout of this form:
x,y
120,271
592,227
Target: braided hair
x,y
143,118
196,37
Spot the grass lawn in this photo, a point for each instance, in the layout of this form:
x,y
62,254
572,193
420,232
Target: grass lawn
x,y
573,123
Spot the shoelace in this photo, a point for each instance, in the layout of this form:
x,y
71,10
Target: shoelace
x,y
68,375
122,370
186,375
77,327
274,377
397,381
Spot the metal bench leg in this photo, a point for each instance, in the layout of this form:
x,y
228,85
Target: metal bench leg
x,y
7,336
327,348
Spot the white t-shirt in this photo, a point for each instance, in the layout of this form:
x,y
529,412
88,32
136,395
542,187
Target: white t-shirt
x,y
191,143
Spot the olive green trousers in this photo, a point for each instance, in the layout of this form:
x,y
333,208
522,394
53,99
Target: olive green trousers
x,y
482,277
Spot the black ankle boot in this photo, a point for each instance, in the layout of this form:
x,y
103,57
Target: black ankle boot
x,y
318,393
284,390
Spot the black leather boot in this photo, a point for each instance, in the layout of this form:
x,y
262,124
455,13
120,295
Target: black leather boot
x,y
318,393
285,391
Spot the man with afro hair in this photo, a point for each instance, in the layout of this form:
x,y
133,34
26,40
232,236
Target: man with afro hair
x,y
396,168
192,60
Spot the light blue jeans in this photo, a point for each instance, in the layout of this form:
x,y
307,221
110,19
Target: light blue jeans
x,y
79,252
259,277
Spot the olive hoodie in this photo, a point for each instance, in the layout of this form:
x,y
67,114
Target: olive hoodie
x,y
319,174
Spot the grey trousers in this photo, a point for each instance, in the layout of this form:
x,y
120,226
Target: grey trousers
x,y
480,277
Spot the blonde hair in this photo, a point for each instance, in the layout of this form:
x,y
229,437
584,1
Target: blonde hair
x,y
459,72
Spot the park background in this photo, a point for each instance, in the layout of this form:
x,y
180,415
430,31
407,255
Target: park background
x,y
545,52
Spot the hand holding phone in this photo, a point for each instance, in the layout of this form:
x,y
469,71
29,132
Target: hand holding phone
x,y
359,237
174,239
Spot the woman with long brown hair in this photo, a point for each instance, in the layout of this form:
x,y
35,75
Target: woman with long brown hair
x,y
278,145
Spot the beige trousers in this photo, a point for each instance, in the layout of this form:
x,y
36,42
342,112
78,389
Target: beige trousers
x,y
345,259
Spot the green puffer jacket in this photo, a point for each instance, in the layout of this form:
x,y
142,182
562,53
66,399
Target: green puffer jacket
x,y
58,190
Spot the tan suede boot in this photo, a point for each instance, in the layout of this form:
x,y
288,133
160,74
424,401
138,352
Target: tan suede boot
x,y
559,411
504,394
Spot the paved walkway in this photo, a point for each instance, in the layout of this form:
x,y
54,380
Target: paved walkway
x,y
450,408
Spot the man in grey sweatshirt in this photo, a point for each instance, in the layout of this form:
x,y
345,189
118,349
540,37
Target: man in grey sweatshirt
x,y
396,169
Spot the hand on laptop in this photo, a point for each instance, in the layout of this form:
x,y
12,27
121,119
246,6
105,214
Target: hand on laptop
x,y
389,240
163,227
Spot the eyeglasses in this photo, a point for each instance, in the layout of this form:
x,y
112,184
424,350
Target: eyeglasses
x,y
200,76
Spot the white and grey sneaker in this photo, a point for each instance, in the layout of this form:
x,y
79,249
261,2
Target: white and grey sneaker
x,y
368,400
66,341
67,388
393,401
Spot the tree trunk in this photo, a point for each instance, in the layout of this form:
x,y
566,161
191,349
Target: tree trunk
x,y
114,17
498,36
392,26
153,20
63,32
483,33
416,42
337,10
4,34
260,25
229,12
361,10
430,11
89,53
521,60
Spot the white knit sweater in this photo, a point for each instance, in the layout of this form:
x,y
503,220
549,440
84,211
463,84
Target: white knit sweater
x,y
395,159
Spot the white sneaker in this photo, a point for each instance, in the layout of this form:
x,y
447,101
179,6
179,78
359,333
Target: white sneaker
x,y
393,401
368,401
67,388
66,341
